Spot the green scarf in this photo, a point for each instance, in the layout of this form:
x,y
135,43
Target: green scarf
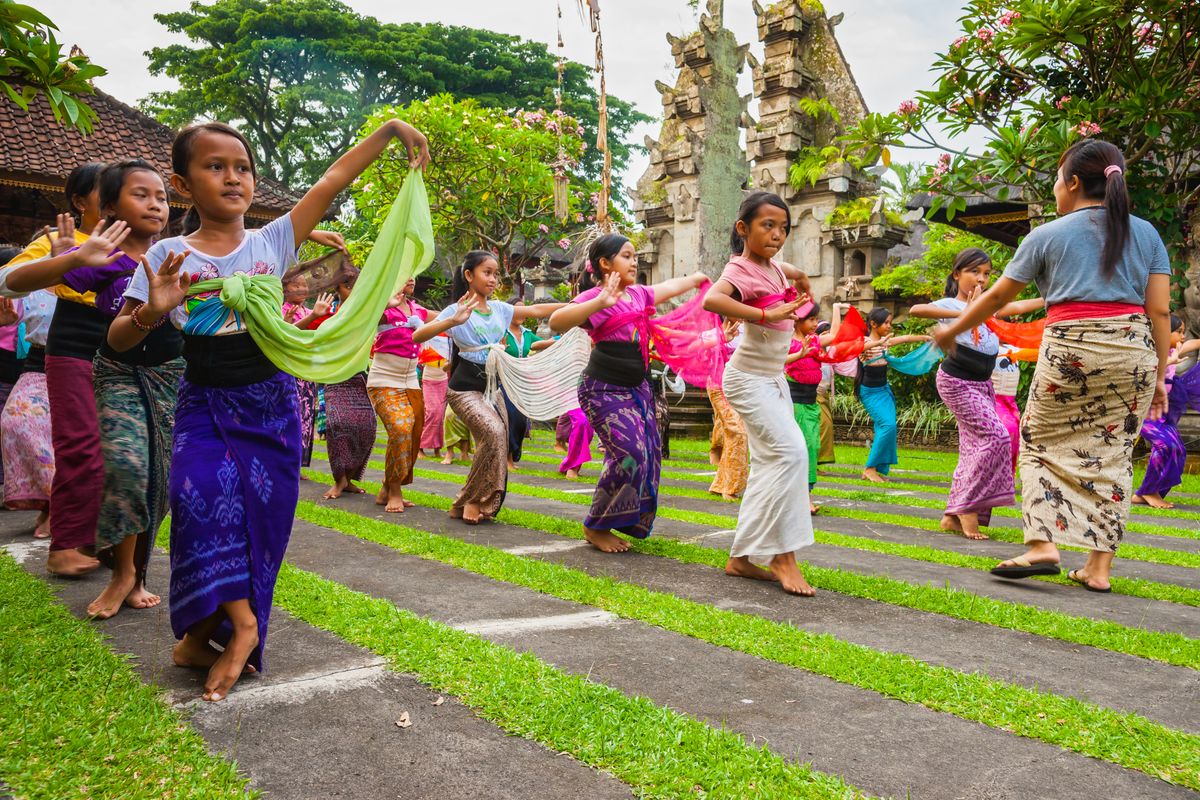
x,y
341,347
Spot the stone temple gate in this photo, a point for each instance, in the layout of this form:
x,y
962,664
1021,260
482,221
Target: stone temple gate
x,y
801,60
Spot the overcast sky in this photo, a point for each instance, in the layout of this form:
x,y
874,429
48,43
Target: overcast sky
x,y
889,44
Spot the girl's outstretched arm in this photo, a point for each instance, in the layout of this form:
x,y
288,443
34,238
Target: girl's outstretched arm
x,y
931,311
572,315
469,302
991,301
674,287
1021,307
316,201
167,289
909,339
92,253
538,311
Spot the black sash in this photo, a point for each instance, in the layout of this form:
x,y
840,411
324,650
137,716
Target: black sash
x,y
618,363
969,365
224,361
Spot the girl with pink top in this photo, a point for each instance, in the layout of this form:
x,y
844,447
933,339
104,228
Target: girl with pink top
x,y
774,521
615,394
395,393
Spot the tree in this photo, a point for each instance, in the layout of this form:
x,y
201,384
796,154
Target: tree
x,y
1034,77
925,277
32,63
300,77
491,181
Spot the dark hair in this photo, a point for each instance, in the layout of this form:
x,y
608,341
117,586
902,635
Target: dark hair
x,y
181,156
606,246
112,179
1176,322
80,183
458,286
8,253
878,316
1088,160
971,257
823,326
749,210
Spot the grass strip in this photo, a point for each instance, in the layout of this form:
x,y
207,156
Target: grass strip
x,y
1170,648
1129,740
1133,552
75,719
1134,587
657,751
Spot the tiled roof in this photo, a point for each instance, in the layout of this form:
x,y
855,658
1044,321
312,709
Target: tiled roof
x,y
35,149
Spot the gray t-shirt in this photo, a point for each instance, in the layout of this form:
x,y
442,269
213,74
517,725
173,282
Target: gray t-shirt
x,y
1063,258
981,340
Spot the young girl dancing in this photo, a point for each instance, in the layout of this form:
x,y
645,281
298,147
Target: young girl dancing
x,y
774,521
872,387
475,324
434,358
982,480
307,392
1168,454
234,478
1105,276
804,374
615,392
728,449
395,392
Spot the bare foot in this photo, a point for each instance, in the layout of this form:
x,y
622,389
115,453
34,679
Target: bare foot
x,y
605,541
190,653
790,578
381,498
741,567
728,497
69,563
572,474
470,513
140,598
813,508
559,448
334,492
1081,576
714,457
109,602
1153,500
869,474
396,504
950,523
352,489
42,531
230,665
447,459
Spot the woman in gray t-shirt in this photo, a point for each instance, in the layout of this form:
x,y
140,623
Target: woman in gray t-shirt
x,y
1105,277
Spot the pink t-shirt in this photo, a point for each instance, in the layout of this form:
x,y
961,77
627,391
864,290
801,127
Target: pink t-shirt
x,y
753,282
637,297
394,336
806,369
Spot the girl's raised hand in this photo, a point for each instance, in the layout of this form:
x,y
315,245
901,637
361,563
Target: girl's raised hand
x,y
101,249
698,279
610,292
8,312
64,239
466,304
328,239
784,310
168,287
415,143
323,304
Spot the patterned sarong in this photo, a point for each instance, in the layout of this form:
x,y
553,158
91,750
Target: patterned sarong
x,y
433,395
487,480
136,407
1164,468
235,480
350,434
626,497
734,464
306,397
983,478
27,447
1091,390
402,413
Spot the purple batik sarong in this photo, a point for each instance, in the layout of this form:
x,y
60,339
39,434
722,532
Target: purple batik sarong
x,y
235,480
983,478
1164,469
306,396
626,497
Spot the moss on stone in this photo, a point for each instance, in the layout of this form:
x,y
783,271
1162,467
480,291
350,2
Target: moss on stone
x,y
858,212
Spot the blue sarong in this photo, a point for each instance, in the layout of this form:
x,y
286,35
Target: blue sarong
x,y
880,403
235,480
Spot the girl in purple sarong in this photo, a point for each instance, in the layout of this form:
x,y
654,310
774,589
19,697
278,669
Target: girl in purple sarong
x,y
235,462
983,478
614,393
1164,468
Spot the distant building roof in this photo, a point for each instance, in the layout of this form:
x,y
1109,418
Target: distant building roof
x,y
38,152
1004,221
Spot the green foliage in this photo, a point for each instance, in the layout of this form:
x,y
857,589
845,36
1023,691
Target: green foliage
x,y
491,179
300,77
32,63
858,212
1032,77
562,293
925,277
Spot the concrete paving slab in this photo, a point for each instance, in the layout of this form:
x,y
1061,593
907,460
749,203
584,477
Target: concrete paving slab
x,y
321,721
883,746
1164,693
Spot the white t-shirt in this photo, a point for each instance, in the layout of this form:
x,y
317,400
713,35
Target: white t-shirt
x,y
479,330
266,251
987,342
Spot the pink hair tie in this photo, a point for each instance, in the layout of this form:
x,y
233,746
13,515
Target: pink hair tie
x,y
1110,169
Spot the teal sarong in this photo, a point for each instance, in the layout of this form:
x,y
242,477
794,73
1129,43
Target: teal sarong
x,y
880,403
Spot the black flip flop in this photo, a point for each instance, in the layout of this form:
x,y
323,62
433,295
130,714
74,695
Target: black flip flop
x,y
1086,585
1016,572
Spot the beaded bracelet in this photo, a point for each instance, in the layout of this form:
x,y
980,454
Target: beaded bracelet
x,y
137,323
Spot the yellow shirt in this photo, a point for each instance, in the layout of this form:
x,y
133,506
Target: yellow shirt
x,y
40,248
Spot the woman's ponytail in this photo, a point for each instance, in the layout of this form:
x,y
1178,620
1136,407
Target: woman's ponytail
x,y
1100,167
